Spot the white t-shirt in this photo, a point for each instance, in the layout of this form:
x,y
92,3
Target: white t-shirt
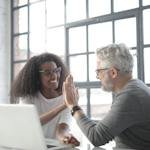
x,y
43,105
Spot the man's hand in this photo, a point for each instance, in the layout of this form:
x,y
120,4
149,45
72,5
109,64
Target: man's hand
x,y
70,92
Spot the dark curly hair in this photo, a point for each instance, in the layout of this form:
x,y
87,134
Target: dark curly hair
x,y
27,83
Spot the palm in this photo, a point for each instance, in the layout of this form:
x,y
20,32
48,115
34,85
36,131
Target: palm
x,y
70,92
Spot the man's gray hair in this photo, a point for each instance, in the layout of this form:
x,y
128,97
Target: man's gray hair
x,y
116,55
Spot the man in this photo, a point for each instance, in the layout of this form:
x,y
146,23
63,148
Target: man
x,y
128,121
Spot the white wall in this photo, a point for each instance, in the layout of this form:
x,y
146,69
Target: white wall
x,y
4,50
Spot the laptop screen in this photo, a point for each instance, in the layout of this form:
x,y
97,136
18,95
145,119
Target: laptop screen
x,y
20,127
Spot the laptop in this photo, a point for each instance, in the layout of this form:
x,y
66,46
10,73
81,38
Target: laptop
x,y
20,129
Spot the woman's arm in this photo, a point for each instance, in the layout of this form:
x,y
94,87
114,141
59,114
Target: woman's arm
x,y
46,117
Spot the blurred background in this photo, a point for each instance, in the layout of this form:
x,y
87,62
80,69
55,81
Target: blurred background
x,y
73,29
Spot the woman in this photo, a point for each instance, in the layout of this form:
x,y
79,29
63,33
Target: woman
x,y
40,83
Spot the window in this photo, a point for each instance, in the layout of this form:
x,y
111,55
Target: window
x,y
125,31
100,103
56,41
77,40
146,64
74,29
146,51
120,5
146,2
146,14
37,28
20,47
78,71
76,10
101,33
99,7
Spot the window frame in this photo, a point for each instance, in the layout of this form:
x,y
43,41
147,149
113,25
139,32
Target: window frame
x,y
113,16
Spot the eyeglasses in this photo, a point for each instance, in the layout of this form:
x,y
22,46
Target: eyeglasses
x,y
51,72
99,70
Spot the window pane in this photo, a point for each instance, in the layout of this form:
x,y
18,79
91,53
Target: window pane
x,y
146,65
83,99
55,12
76,10
78,71
125,31
31,1
92,67
100,103
77,40
146,26
20,2
134,54
37,43
99,7
20,47
146,2
56,40
17,68
100,35
37,28
21,20
36,24
120,5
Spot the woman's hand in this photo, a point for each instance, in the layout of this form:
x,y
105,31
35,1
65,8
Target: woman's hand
x,y
70,92
70,139
64,135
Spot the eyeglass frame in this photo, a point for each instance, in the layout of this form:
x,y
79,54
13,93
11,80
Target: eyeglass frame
x,y
99,70
50,72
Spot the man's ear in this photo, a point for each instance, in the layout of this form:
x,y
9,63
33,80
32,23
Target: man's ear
x,y
113,72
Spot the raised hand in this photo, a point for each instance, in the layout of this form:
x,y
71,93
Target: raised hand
x,y
70,92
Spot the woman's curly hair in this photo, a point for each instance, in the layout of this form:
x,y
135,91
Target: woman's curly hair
x,y
28,83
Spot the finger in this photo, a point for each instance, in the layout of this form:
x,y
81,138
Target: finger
x,y
74,141
66,83
66,140
63,89
77,93
70,79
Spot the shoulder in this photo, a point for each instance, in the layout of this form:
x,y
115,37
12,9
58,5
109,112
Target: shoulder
x,y
127,101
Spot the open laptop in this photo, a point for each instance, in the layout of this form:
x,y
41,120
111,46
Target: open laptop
x,y
20,129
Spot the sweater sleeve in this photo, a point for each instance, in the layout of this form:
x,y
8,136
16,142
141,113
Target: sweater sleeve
x,y
97,133
125,112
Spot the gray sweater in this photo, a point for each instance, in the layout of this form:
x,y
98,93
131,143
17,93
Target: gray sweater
x,y
127,122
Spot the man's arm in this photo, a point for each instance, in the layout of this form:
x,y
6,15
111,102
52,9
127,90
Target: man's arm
x,y
125,112
98,134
